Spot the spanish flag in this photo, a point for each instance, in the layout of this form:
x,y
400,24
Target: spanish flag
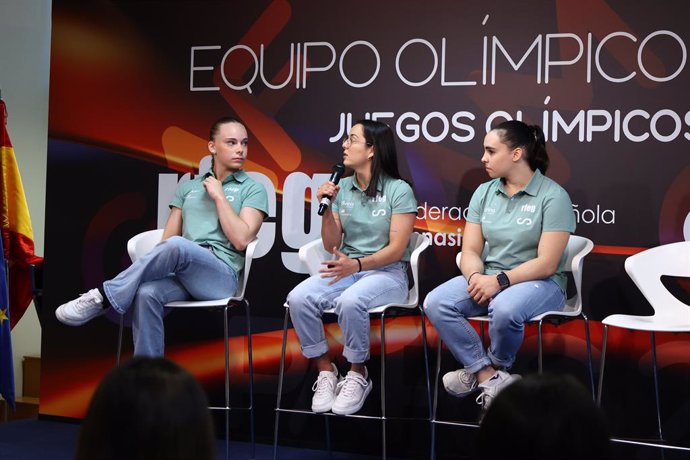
x,y
17,234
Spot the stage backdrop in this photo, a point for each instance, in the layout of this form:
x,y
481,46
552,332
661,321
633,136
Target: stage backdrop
x,y
135,86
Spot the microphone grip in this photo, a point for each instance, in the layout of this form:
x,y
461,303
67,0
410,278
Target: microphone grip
x,y
323,205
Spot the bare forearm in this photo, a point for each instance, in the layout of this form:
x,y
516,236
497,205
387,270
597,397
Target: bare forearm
x,y
173,226
381,258
331,235
534,269
471,263
236,230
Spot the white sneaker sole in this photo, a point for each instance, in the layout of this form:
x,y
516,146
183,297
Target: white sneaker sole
x,y
72,322
353,409
323,408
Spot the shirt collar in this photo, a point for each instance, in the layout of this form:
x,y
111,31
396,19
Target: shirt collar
x,y
531,188
239,176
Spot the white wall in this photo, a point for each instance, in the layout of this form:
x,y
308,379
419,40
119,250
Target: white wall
x,y
24,77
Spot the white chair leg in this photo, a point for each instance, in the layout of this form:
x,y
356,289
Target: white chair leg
x,y
281,373
435,403
227,383
603,363
656,387
426,373
540,358
251,382
588,343
383,385
119,339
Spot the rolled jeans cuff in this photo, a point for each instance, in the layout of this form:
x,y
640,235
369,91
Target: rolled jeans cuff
x,y
315,350
355,356
113,304
478,365
500,363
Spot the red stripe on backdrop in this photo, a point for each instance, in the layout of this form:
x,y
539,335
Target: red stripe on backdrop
x,y
617,250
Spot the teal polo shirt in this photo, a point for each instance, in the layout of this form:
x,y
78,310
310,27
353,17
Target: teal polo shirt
x,y
366,221
512,226
200,219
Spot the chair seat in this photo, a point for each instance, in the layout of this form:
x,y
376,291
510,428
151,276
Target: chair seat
x,y
202,303
570,311
381,309
648,323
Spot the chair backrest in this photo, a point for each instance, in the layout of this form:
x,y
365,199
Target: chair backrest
x,y
313,253
578,247
646,269
418,242
143,242
244,276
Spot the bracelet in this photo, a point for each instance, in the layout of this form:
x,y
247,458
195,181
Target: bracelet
x,y
470,278
359,263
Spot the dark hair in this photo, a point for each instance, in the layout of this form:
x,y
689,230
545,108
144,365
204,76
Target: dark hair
x,y
542,417
215,127
531,138
380,136
147,408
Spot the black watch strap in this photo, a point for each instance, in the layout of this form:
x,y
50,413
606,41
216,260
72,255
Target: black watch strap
x,y
503,280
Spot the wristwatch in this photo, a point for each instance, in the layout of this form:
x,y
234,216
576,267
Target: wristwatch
x,y
503,280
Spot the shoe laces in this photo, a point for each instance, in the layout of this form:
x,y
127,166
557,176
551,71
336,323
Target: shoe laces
x,y
322,385
351,385
85,301
484,399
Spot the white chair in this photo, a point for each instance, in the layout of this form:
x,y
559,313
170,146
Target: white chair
x,y
142,243
578,247
312,254
670,314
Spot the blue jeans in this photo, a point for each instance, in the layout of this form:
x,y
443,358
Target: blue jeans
x,y
175,269
448,306
352,297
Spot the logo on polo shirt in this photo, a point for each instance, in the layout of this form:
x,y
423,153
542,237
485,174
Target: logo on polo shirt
x,y
528,208
524,221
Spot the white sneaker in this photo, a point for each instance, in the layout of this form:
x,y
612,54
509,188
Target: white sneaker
x,y
351,393
460,383
79,311
492,386
324,390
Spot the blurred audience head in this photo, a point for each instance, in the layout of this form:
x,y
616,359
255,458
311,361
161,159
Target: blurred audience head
x,y
544,417
147,408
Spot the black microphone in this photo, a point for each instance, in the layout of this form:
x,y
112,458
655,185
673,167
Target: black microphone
x,y
338,171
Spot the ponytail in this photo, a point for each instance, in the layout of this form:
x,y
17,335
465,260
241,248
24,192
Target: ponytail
x,y
537,157
531,138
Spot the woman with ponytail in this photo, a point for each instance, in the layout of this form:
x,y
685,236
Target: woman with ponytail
x,y
213,218
526,219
